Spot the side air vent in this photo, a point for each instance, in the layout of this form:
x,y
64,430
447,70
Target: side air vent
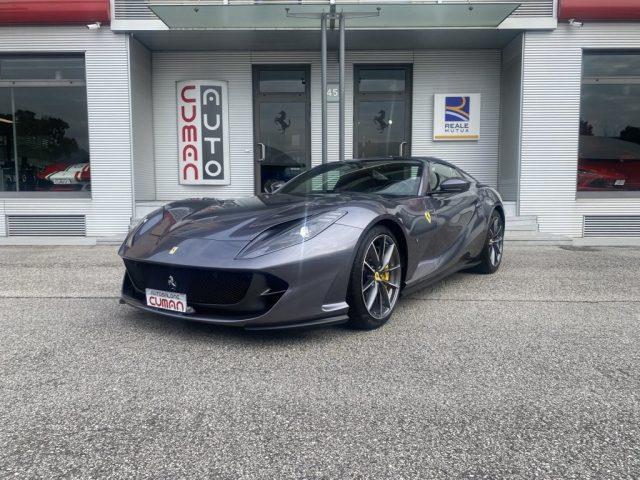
x,y
611,226
47,225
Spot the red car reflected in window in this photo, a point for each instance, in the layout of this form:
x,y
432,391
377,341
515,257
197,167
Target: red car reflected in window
x,y
607,164
596,178
64,177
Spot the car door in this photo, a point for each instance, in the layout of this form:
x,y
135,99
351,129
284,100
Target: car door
x,y
453,213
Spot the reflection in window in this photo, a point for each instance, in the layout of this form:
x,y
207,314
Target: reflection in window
x,y
283,131
44,144
609,149
382,80
439,173
282,81
392,178
604,64
46,67
381,127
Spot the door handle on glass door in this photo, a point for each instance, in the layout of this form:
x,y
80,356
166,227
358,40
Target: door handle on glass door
x,y
401,152
263,152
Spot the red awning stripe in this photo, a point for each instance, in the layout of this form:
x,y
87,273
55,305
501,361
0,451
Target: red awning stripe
x,y
53,12
599,9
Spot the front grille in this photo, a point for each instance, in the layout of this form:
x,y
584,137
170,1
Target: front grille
x,y
202,286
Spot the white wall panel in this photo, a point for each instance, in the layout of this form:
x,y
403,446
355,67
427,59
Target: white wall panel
x,y
142,122
434,72
454,71
168,68
510,117
551,114
106,57
3,220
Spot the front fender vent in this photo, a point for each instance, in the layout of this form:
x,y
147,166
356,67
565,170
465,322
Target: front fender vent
x,y
611,226
46,225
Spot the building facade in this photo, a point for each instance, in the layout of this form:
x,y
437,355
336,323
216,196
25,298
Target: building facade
x,y
109,111
580,147
64,105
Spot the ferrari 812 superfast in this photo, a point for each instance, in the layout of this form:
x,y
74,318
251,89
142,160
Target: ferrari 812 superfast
x,y
339,243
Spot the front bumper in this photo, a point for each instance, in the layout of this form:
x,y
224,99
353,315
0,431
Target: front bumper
x,y
307,282
246,324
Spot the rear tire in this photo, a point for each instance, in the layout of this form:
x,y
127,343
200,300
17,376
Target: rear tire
x,y
491,256
376,277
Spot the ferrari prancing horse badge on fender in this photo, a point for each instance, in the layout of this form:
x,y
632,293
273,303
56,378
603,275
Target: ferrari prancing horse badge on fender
x,y
427,216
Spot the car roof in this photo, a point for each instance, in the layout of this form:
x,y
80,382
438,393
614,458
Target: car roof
x,y
425,160
397,158
381,159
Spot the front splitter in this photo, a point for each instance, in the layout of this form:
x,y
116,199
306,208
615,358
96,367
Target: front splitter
x,y
238,323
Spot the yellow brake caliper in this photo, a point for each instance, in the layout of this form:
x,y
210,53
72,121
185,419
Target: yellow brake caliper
x,y
382,276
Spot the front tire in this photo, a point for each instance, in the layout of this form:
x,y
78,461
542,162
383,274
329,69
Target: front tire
x,y
376,277
491,256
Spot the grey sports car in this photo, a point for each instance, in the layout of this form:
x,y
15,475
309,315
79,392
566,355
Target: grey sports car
x,y
338,243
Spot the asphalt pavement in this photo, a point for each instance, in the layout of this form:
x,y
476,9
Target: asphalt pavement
x,y
533,372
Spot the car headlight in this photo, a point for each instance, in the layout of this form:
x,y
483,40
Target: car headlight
x,y
278,238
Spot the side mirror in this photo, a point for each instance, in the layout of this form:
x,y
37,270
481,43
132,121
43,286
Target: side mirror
x,y
274,186
454,185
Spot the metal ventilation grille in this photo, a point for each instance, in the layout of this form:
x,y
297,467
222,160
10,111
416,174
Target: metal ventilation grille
x,y
534,8
139,9
47,225
611,226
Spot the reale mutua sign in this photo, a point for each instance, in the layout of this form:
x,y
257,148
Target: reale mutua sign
x,y
203,132
456,116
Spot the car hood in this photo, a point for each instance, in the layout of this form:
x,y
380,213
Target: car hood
x,y
244,218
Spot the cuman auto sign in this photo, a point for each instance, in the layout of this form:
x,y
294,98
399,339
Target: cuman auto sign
x,y
456,116
203,132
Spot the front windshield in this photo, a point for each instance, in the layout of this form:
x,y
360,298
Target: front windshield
x,y
393,178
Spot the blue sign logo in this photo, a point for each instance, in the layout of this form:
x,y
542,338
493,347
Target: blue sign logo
x,y
456,109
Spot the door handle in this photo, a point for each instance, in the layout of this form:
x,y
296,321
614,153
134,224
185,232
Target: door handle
x,y
263,152
401,149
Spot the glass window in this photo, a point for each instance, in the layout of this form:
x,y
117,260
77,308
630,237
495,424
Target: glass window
x,y
381,127
609,147
282,81
50,67
439,173
382,80
7,153
604,64
393,178
44,135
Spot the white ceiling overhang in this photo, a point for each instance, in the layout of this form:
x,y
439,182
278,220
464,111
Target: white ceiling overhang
x,y
363,16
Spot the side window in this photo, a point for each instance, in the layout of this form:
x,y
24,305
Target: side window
x,y
438,174
466,176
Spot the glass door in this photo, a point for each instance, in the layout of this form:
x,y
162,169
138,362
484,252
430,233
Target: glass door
x,y
382,111
281,123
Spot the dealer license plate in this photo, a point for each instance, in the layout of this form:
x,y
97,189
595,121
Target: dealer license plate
x,y
176,302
